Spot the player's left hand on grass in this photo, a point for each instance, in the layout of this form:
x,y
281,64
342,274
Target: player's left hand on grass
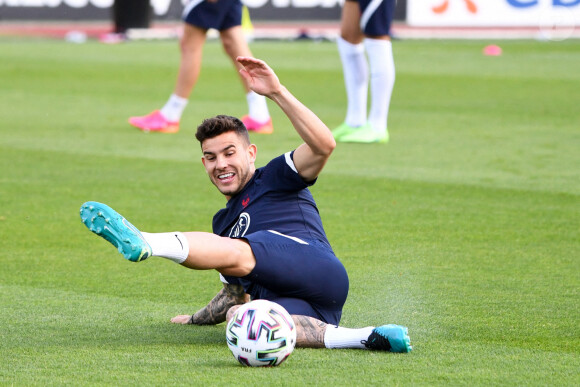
x,y
181,319
259,76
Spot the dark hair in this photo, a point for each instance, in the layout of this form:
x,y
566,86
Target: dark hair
x,y
213,127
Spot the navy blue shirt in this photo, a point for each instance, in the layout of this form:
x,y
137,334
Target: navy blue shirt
x,y
276,198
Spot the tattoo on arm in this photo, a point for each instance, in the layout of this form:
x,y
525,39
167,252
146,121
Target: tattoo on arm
x,y
309,332
216,309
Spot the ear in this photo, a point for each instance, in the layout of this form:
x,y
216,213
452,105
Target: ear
x,y
252,152
203,160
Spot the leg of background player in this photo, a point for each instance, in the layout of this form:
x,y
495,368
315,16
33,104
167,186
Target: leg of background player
x,y
355,69
258,118
167,119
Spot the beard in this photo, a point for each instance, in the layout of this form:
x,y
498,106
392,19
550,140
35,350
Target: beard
x,y
243,177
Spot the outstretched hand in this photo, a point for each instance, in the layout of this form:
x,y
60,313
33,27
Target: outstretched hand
x,y
259,76
181,319
310,157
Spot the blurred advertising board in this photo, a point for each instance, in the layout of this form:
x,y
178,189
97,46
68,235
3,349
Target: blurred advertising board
x,y
492,13
164,9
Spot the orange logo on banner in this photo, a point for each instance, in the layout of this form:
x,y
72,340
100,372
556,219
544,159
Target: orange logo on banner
x,y
471,6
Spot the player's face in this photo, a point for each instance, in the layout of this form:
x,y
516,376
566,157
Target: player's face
x,y
229,162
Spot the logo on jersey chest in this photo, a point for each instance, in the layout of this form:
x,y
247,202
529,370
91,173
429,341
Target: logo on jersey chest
x,y
241,227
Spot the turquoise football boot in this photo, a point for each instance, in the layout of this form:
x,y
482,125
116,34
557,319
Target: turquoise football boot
x,y
110,225
392,338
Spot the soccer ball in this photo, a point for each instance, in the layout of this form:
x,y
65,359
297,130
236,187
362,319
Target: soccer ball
x,y
261,333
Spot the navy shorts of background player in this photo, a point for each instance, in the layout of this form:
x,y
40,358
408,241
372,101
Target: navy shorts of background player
x,y
295,265
376,16
219,15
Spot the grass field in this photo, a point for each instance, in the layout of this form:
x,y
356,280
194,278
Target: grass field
x,y
464,227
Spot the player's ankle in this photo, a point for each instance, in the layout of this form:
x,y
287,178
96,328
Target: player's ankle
x,y
170,245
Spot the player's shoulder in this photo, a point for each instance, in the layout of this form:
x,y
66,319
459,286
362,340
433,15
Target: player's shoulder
x,y
283,161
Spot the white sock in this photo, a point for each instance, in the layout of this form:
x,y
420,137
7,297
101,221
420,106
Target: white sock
x,y
170,245
382,65
257,106
173,108
356,79
339,337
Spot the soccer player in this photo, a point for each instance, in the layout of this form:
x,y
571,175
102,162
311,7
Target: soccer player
x,y
268,242
365,27
199,16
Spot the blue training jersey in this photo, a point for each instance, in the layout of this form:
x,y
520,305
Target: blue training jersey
x,y
277,199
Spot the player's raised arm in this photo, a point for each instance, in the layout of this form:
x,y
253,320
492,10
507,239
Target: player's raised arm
x,y
310,157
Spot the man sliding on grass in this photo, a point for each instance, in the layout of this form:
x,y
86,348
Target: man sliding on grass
x,y
268,242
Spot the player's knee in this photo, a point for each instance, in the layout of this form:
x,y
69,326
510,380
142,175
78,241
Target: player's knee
x,y
241,260
186,46
182,46
352,37
351,33
228,44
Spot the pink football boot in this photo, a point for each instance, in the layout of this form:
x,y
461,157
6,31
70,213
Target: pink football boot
x,y
154,122
258,127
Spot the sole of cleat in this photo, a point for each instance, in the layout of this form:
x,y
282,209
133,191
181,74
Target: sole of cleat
x,y
168,130
111,226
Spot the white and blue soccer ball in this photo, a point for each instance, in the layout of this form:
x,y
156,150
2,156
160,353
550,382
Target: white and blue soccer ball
x,y
261,333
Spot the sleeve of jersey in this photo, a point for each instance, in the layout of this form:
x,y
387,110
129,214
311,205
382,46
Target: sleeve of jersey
x,y
281,174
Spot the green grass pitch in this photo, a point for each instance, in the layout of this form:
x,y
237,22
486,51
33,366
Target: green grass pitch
x,y
464,227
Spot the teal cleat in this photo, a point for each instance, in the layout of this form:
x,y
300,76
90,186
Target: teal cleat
x,y
365,135
110,225
391,337
345,129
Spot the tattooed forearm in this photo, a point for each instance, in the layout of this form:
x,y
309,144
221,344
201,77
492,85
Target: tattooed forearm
x,y
215,311
309,332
